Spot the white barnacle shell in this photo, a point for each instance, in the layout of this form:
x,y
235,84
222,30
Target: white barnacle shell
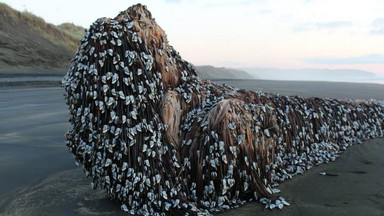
x,y
115,78
117,132
279,204
139,71
284,201
141,88
221,145
245,186
114,34
126,81
263,108
206,140
105,128
94,95
101,105
189,142
213,163
158,178
101,63
240,139
121,95
123,118
113,115
176,202
109,75
134,114
91,50
231,126
164,195
275,190
231,182
175,164
130,172
146,163
110,52
108,162
130,25
233,150
266,132
126,70
144,148
138,128
220,201
124,167
107,180
224,158
127,100
110,101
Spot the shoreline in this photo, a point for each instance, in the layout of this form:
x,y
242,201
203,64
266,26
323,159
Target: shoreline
x,y
321,89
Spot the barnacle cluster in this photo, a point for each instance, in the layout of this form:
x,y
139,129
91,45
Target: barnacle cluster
x,y
161,141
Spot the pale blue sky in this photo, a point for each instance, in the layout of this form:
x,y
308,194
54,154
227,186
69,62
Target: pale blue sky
x,y
250,33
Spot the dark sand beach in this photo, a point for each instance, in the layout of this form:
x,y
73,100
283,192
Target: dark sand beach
x,y
39,176
338,90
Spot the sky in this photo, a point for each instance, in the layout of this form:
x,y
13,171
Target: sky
x,y
294,34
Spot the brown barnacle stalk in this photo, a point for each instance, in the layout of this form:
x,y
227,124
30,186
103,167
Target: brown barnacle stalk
x,y
161,141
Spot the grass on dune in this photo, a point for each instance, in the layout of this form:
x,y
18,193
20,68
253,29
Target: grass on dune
x,y
54,34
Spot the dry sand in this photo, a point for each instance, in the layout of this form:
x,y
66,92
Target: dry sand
x,y
38,175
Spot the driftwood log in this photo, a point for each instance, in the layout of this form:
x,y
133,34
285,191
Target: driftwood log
x,y
161,141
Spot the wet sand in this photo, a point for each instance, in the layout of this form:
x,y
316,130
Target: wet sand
x,y
338,90
39,176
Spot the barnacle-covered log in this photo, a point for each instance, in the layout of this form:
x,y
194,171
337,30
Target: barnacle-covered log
x,y
163,142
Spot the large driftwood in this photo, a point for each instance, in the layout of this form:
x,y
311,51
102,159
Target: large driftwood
x,y
162,141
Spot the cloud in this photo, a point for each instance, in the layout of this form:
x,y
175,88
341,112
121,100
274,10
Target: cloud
x,y
249,2
233,63
303,27
173,1
378,26
321,26
378,22
333,25
265,11
364,59
232,4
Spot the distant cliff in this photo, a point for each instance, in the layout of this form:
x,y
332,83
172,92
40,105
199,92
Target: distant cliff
x,y
310,74
210,72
